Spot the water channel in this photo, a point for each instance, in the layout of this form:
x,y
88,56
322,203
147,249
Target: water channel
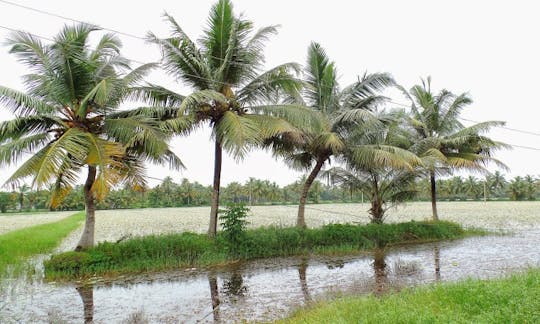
x,y
265,289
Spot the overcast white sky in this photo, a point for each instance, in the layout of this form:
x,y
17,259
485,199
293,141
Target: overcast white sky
x,y
489,49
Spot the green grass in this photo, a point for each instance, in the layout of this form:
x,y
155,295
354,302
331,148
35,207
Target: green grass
x,y
17,245
514,299
159,252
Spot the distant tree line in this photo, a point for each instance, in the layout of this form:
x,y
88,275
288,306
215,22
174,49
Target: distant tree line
x,y
264,192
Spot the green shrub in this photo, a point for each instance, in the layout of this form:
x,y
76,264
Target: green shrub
x,y
233,221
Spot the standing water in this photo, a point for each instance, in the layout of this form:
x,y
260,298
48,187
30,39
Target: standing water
x,y
264,289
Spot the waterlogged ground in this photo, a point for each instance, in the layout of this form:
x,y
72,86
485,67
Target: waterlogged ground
x,y
270,289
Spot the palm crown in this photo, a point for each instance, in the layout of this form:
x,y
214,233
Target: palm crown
x,y
336,111
68,119
231,92
443,142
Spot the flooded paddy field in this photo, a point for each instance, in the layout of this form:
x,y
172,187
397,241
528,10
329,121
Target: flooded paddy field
x,y
267,289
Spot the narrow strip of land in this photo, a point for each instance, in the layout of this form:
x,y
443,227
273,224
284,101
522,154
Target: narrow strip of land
x,y
15,221
17,245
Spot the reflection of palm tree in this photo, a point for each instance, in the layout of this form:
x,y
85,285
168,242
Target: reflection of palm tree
x,y
303,280
234,287
214,295
86,293
379,267
437,261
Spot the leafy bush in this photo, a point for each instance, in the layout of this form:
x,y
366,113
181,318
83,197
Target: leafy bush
x,y
233,221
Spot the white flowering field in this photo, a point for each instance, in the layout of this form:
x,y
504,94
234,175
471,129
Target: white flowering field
x,y
112,225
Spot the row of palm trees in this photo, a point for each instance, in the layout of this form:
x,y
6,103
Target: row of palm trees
x,y
258,191
69,118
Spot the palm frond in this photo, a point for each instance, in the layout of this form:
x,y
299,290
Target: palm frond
x,y
23,104
271,85
156,95
237,133
11,152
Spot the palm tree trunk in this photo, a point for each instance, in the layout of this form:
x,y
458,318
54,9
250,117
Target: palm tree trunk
x,y
376,211
214,296
87,238
433,196
301,221
212,229
86,293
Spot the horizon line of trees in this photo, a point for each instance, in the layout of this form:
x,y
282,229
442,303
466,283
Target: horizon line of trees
x,y
264,192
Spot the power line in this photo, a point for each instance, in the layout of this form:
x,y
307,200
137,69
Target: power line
x,y
504,127
68,18
144,39
104,28
18,31
191,75
477,122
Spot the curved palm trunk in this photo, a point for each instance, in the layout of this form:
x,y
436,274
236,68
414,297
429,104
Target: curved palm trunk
x,y
303,280
301,221
87,238
433,196
212,228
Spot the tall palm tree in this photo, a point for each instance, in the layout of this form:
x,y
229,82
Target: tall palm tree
x,y
68,121
336,109
442,140
231,92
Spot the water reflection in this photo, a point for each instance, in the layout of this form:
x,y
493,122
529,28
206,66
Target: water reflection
x,y
264,290
437,262
86,292
214,295
379,268
234,286
303,280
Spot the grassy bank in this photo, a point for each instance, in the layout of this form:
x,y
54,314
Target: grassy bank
x,y
151,253
17,245
515,299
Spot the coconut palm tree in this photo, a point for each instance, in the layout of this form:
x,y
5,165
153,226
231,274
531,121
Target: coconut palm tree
x,y
379,164
442,140
231,92
336,109
68,120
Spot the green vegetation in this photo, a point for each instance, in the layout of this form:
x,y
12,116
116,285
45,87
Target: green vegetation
x,y
263,192
19,244
69,120
515,299
441,140
154,252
